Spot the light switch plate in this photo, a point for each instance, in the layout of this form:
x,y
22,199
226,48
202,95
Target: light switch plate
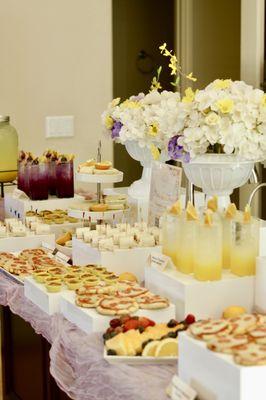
x,y
59,126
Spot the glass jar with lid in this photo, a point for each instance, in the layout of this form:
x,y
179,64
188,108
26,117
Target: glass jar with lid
x,y
8,150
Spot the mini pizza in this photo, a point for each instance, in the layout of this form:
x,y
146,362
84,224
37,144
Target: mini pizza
x,y
150,301
207,329
259,334
226,344
243,323
117,306
250,354
91,301
131,291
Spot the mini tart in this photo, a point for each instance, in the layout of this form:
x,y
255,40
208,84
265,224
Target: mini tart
x,y
103,165
52,279
73,284
86,275
41,277
93,281
56,271
111,279
69,276
99,207
76,271
53,287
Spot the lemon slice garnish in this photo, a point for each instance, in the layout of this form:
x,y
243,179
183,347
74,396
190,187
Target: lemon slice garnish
x,y
208,220
191,212
247,214
231,211
176,208
150,349
213,203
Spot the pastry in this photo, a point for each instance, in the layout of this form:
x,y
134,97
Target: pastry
x,y
99,207
116,306
91,301
73,284
207,329
151,301
103,165
227,344
250,354
243,323
234,311
131,291
53,287
41,277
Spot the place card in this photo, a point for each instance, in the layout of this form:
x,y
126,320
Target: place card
x,y
179,390
62,258
159,261
51,249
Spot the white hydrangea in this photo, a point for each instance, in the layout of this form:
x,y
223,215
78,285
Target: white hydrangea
x,y
230,114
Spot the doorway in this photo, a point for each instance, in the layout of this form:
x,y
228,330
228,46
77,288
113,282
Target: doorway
x,y
139,28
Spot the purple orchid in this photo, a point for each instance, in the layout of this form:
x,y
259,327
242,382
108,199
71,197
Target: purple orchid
x,y
176,151
116,129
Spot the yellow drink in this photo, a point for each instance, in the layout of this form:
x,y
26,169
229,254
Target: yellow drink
x,y
8,150
171,227
208,251
186,247
227,238
245,247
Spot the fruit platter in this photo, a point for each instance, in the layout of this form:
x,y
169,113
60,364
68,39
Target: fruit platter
x,y
139,340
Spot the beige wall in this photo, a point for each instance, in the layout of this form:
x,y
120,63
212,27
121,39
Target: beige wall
x,y
56,59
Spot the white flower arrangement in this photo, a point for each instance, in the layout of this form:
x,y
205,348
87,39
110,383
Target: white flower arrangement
x,y
150,119
226,117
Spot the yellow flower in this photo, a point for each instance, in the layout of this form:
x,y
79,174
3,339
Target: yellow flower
x,y
153,129
115,102
162,47
191,77
263,100
222,83
155,152
225,105
109,122
212,119
130,104
155,84
189,95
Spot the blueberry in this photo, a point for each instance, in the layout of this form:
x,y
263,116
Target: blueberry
x,y
141,329
172,323
172,334
145,343
111,352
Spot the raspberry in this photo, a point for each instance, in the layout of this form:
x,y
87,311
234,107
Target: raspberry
x,y
190,319
131,324
145,322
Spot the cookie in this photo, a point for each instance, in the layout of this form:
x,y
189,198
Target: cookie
x,y
115,306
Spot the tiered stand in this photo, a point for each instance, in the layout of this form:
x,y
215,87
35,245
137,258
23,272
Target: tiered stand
x,y
99,180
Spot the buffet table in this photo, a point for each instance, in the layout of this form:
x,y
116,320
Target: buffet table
x,y
75,359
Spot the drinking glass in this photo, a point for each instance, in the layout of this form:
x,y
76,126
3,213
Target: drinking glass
x,y
170,239
38,181
64,180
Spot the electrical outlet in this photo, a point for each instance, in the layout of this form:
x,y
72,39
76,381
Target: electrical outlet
x,y
59,127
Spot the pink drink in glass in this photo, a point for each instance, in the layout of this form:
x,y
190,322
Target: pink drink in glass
x,y
38,181
65,180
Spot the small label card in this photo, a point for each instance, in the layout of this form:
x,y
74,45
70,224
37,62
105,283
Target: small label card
x,y
180,390
159,261
165,189
62,257
48,247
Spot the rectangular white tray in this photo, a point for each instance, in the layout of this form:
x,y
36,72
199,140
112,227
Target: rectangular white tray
x,y
13,244
89,320
37,294
203,299
139,360
215,376
118,261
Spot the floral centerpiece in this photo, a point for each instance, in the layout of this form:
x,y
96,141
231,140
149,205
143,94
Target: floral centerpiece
x,y
227,117
145,123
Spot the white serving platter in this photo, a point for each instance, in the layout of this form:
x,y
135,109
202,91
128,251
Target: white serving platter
x,y
95,178
89,320
138,360
203,299
216,376
95,216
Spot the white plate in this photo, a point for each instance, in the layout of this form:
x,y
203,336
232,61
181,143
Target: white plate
x,y
138,360
95,178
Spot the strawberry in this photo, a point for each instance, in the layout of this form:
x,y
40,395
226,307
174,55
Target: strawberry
x,y
115,322
145,322
131,324
124,319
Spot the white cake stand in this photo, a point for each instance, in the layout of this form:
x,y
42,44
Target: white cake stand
x,y
99,180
